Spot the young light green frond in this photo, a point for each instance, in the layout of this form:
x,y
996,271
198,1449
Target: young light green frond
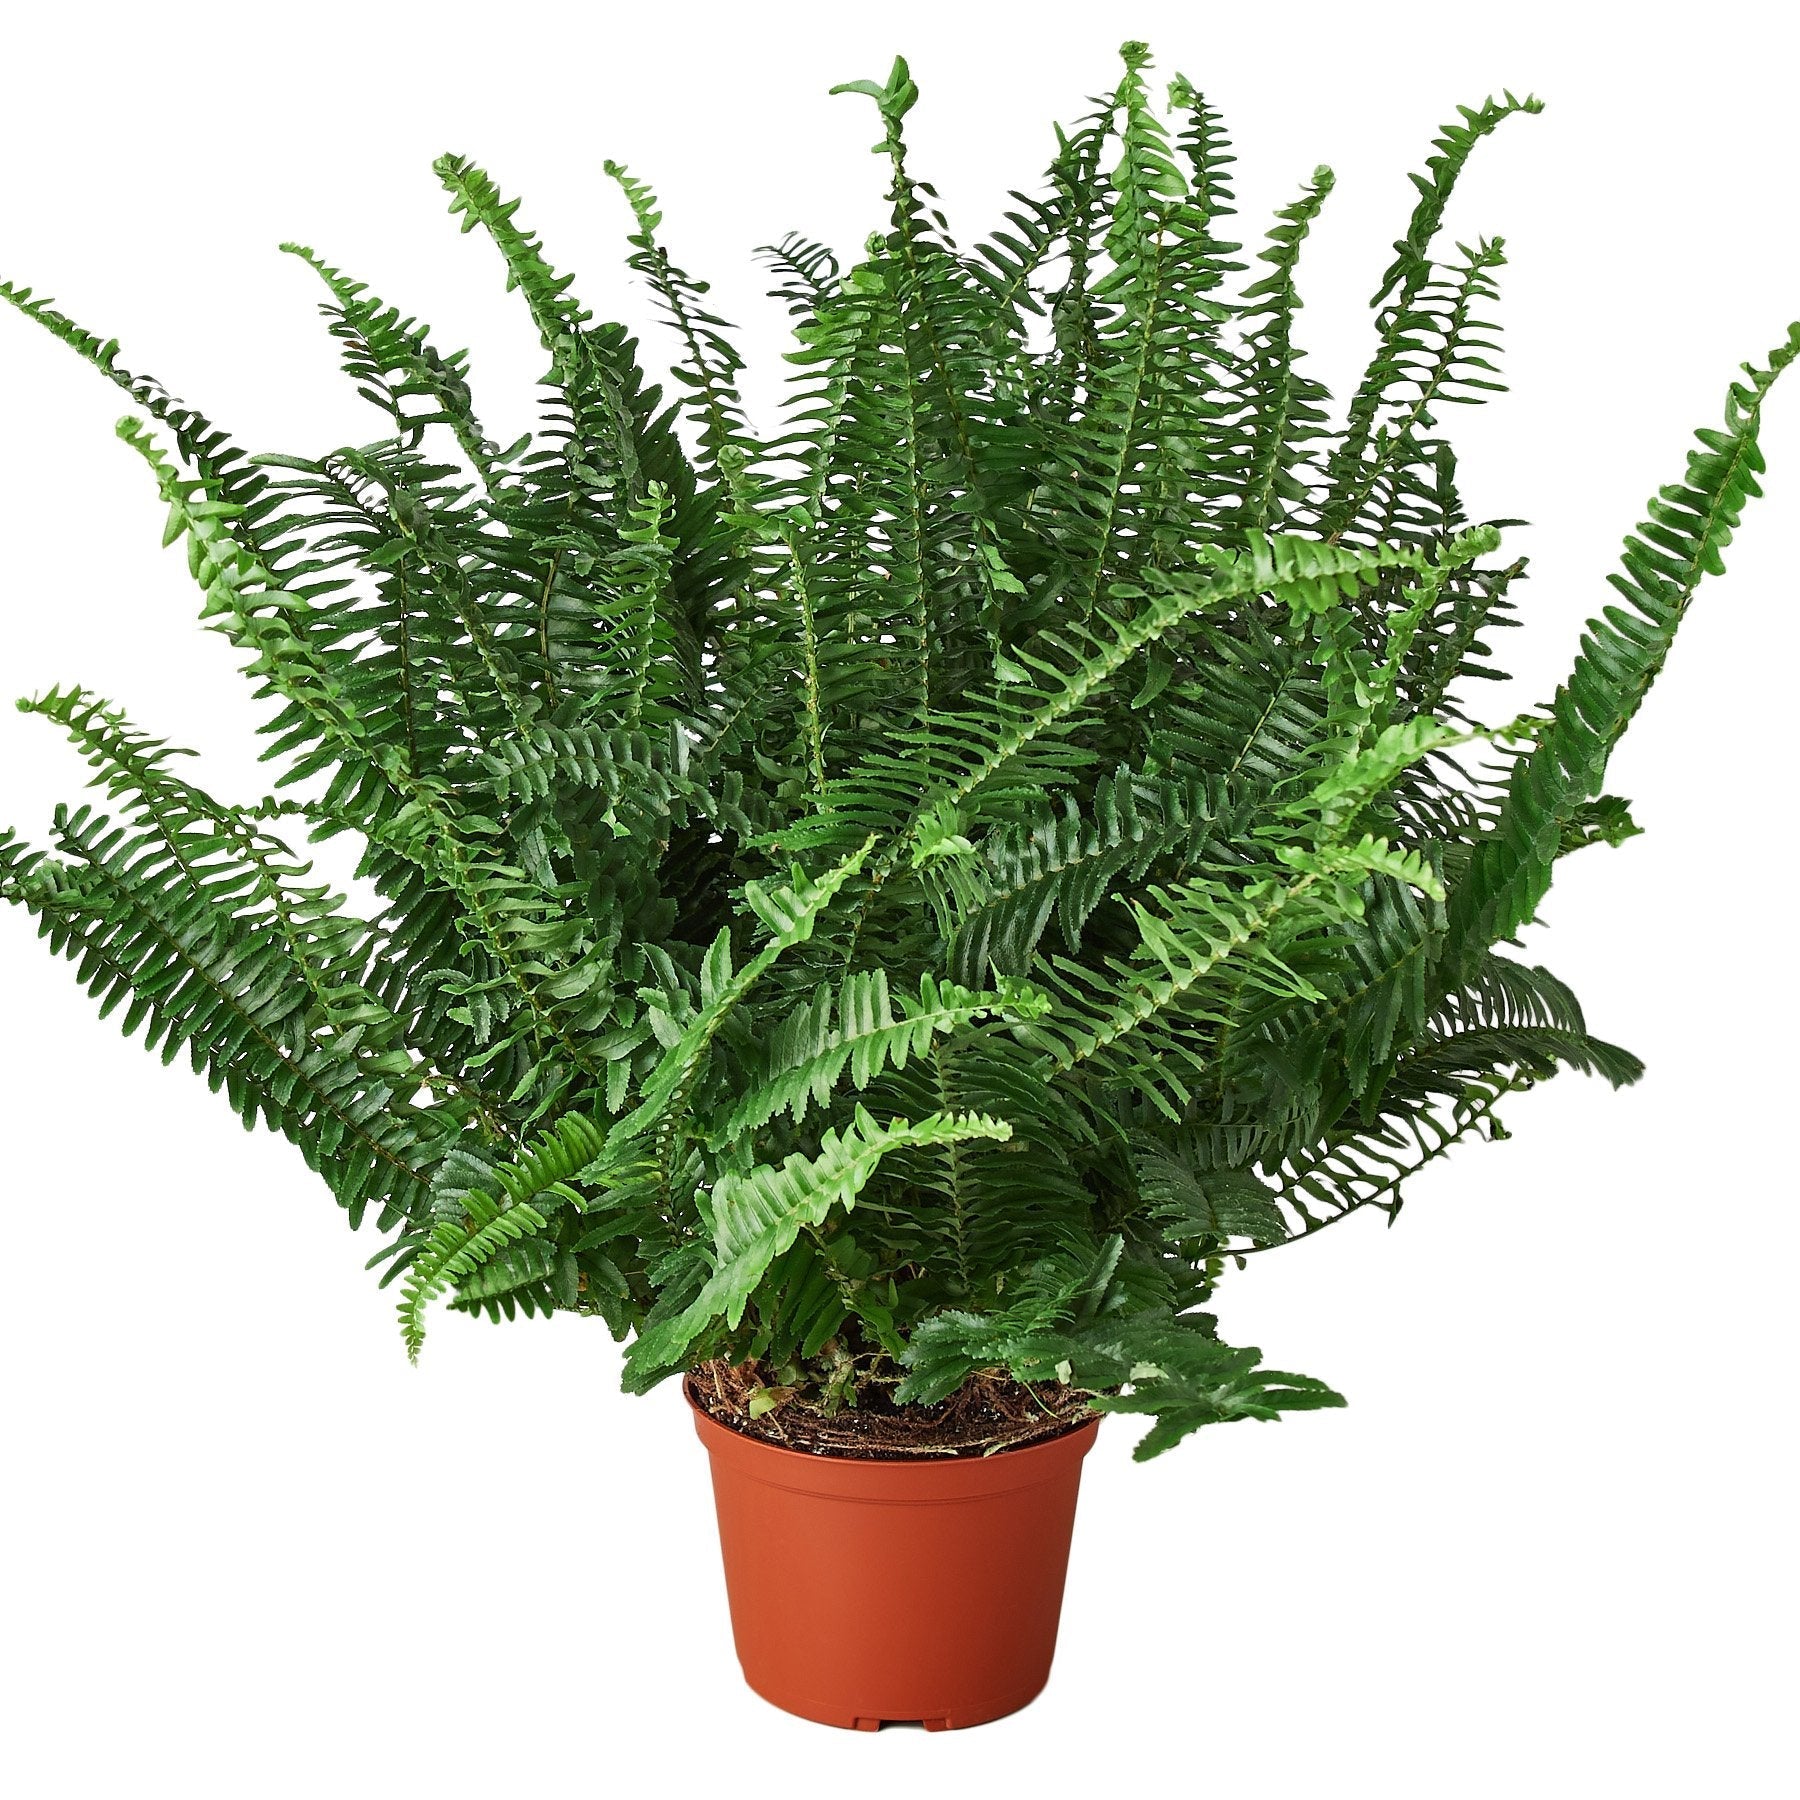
x,y
476,201
457,1249
758,1215
1062,1328
856,1030
1297,570
1369,855
1340,797
789,914
1140,1024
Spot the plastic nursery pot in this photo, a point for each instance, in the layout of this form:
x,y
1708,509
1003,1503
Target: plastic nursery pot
x,y
869,1593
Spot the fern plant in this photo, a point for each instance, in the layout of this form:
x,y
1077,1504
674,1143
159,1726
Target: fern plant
x,y
923,891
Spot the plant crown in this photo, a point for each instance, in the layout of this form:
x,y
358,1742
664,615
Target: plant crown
x,y
917,893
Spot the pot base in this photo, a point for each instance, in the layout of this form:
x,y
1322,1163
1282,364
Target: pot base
x,y
973,1712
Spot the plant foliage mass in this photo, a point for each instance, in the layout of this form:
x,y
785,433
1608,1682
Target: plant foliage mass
x,y
919,891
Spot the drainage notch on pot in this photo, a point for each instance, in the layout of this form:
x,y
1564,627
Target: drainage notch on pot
x,y
869,1593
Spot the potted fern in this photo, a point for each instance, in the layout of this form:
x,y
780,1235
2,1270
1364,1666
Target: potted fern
x,y
884,914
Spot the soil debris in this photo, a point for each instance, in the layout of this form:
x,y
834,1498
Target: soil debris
x,y
987,1413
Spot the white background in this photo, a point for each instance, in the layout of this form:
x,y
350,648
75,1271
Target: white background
x,y
1546,1550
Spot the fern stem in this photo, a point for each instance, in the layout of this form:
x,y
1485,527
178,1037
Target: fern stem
x,y
809,664
953,1159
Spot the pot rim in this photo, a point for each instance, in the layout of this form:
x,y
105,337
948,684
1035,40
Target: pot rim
x,y
1058,1442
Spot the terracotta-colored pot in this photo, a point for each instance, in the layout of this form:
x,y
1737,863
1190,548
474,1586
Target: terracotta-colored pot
x,y
870,1593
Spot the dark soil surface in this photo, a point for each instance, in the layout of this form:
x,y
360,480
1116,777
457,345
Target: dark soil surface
x,y
987,1413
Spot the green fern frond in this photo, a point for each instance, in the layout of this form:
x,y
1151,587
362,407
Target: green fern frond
x,y
230,477
1173,1366
380,344
856,1030
1357,461
192,975
1680,543
1284,409
710,367
789,914
457,1249
1061,864
1454,144
482,1224
758,1215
